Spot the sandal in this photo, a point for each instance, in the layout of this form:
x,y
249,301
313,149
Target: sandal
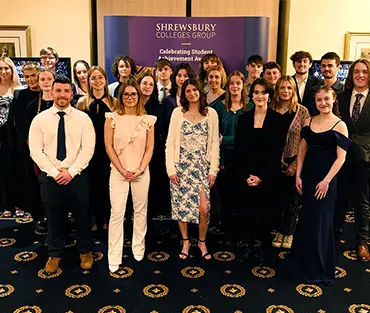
x,y
19,213
183,255
7,214
207,256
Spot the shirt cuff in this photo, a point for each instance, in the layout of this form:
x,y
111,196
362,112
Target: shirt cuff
x,y
73,172
53,173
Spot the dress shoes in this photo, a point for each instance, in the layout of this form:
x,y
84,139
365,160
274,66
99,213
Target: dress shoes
x,y
87,260
363,253
52,265
246,254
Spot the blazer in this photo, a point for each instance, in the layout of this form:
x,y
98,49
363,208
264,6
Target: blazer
x,y
359,133
312,82
173,141
260,156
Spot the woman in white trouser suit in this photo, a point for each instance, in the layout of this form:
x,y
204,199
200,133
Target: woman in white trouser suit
x,y
129,141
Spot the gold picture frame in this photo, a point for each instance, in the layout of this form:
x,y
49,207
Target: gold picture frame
x,y
356,46
15,41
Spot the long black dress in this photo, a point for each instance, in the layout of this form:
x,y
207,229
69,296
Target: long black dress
x,y
99,166
313,248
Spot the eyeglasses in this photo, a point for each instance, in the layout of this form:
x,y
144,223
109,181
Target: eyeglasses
x,y
127,95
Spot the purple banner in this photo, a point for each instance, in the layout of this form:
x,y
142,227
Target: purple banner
x,y
181,39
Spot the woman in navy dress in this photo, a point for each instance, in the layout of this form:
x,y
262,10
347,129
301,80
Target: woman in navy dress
x,y
321,154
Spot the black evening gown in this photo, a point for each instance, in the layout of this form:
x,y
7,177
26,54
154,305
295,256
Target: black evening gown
x,y
313,249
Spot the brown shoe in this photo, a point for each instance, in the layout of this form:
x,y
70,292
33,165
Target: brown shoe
x,y
363,253
87,260
52,265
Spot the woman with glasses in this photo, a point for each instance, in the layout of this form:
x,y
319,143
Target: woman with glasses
x,y
96,103
129,142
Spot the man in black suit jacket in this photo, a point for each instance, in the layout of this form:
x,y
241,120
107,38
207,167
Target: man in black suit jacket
x,y
302,62
354,107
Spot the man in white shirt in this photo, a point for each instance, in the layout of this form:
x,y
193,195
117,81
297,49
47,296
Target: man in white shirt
x,y
163,69
302,62
354,177
62,142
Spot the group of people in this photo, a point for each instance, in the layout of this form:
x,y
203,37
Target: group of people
x,y
270,151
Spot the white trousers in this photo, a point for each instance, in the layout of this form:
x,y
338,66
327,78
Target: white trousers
x,y
119,189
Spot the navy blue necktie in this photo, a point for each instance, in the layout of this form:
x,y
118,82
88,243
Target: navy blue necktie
x,y
61,147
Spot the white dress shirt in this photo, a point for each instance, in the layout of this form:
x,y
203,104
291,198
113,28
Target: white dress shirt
x,y
80,141
353,100
302,87
160,91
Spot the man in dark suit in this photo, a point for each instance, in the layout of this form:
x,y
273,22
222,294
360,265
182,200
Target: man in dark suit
x,y
354,107
302,62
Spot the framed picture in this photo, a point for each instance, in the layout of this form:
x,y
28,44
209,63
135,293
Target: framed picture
x,y
15,41
341,75
356,46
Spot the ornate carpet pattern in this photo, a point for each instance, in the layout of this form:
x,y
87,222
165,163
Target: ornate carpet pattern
x,y
162,283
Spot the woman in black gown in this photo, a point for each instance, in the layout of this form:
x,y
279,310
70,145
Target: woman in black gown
x,y
259,142
321,154
95,104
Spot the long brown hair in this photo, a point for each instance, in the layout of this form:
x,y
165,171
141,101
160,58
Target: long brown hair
x,y
85,102
201,72
202,98
275,104
349,85
119,107
328,89
243,99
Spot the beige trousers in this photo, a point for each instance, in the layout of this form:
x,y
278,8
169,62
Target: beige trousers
x,y
119,189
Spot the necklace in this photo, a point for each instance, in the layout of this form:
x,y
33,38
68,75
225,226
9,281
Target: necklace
x,y
193,115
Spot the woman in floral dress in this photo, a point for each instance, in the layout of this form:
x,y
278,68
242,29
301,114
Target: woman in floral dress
x,y
192,160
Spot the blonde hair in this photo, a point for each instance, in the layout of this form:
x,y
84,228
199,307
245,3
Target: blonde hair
x,y
243,99
84,102
119,107
275,104
221,69
15,78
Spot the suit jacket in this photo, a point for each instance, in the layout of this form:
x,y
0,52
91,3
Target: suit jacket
x,y
260,156
312,82
360,132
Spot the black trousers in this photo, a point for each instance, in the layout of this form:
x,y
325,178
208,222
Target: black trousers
x,y
62,199
354,180
289,204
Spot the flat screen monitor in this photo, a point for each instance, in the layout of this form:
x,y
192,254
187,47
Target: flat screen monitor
x,y
63,67
342,73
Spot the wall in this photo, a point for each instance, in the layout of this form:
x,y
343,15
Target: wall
x,y
320,26
64,25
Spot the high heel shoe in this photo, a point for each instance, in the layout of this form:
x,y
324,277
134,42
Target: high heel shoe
x,y
183,255
206,256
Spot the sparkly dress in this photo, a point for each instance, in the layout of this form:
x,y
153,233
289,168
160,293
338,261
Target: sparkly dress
x,y
192,170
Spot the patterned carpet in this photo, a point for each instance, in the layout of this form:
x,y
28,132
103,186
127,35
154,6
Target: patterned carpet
x,y
162,283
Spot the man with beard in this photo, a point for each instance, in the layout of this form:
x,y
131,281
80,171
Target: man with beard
x,y
330,65
62,142
25,183
302,62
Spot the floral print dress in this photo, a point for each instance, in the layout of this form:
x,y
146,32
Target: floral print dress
x,y
192,170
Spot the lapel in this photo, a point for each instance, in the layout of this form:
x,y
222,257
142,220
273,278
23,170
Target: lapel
x,y
296,85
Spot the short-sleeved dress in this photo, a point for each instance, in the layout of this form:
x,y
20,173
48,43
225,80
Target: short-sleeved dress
x,y
192,170
314,246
